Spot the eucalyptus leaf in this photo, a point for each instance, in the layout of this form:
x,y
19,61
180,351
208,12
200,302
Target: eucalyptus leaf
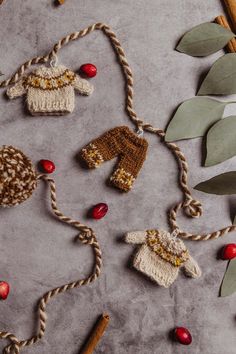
x,y
194,117
221,141
205,39
228,286
221,79
223,184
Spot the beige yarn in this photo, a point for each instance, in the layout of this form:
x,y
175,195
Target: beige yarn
x,y
161,256
50,90
18,179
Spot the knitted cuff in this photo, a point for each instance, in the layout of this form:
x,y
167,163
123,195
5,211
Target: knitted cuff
x,y
122,179
92,156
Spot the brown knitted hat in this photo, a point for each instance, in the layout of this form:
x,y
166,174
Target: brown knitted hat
x,y
18,178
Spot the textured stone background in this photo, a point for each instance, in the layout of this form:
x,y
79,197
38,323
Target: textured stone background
x,y
38,253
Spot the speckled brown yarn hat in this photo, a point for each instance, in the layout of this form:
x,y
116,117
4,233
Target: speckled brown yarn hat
x,y
18,178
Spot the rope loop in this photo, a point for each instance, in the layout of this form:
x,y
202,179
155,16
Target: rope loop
x,y
87,237
192,208
14,346
12,349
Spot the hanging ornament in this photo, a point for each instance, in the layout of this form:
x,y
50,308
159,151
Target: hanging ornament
x,y
50,90
161,255
121,143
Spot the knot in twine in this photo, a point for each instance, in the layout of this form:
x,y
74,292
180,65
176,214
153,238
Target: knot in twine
x,y
14,347
192,208
87,236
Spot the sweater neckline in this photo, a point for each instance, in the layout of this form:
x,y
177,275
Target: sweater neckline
x,y
50,71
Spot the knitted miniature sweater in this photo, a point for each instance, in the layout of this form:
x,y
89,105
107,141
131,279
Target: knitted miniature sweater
x,y
50,90
161,256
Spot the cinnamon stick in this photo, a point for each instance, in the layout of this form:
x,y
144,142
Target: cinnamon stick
x,y
96,334
221,20
231,10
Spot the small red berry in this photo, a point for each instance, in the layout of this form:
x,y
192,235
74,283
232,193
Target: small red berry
x,y
89,70
47,166
183,336
4,290
229,251
99,211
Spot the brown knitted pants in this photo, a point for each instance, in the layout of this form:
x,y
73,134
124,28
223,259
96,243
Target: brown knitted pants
x,y
118,142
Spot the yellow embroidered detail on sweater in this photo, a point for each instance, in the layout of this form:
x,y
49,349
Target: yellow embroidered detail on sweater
x,y
36,81
164,250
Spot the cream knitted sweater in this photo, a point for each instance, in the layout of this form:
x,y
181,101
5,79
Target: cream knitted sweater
x,y
161,256
50,90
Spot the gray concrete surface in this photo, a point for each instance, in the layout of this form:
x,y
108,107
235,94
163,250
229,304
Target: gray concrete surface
x,y
38,253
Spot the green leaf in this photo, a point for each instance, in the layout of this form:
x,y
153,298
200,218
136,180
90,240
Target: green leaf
x,y
205,39
222,184
221,141
194,117
221,79
228,286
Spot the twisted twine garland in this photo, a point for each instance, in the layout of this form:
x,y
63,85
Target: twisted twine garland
x,y
190,206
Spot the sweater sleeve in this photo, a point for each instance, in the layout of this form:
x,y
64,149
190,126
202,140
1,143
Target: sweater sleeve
x,y
137,237
192,269
83,86
17,90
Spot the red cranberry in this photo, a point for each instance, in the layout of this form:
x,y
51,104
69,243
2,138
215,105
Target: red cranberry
x,y
47,166
229,251
183,335
89,70
99,211
4,290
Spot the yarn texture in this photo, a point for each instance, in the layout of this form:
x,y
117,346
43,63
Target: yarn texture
x,y
18,178
118,142
50,90
161,256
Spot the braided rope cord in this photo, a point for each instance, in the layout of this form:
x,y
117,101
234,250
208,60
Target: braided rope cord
x,y
86,236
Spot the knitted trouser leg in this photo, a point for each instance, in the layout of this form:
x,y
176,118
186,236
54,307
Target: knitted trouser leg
x,y
101,149
130,163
